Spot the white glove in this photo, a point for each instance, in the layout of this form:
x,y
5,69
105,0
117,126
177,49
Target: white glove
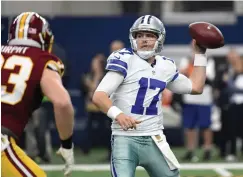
x,y
67,155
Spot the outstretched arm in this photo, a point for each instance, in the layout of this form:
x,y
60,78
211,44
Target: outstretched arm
x,y
195,83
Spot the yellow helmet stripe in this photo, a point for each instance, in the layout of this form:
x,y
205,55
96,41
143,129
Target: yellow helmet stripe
x,y
51,44
22,25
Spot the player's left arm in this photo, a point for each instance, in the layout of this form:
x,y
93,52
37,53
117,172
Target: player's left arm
x,y
52,87
195,83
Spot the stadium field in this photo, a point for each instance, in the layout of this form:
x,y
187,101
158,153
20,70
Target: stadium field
x,y
188,170
93,165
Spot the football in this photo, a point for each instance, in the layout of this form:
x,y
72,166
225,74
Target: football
x,y
206,35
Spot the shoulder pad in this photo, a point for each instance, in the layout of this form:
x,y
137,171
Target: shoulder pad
x,y
122,54
54,63
118,61
168,59
171,67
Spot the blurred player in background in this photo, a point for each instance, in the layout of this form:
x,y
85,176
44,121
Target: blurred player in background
x,y
231,101
116,45
130,94
29,71
90,81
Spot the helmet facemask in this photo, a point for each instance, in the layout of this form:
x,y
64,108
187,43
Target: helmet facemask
x,y
146,54
47,38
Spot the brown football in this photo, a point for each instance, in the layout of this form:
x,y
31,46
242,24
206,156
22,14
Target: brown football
x,y
206,35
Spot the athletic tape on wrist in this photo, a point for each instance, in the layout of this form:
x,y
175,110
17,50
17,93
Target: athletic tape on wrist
x,y
200,60
113,112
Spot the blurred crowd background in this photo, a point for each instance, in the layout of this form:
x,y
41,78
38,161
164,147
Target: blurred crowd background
x,y
87,32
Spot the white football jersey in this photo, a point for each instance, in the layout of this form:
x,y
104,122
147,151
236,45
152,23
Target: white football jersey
x,y
139,95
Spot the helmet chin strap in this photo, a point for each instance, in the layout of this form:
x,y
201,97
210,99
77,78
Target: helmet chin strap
x,y
146,54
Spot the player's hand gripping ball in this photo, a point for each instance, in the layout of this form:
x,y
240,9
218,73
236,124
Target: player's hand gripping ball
x,y
206,35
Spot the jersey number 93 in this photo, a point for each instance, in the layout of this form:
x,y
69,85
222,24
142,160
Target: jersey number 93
x,y
18,80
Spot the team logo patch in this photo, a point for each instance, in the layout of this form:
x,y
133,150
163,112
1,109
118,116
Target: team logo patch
x,y
158,137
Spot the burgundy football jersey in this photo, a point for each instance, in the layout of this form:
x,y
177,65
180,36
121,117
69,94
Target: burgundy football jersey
x,y
21,72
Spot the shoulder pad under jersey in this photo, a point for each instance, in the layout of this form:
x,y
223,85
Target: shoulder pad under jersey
x,y
170,67
119,61
54,63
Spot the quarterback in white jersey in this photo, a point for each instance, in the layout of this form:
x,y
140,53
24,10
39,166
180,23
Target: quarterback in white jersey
x,y
139,95
130,94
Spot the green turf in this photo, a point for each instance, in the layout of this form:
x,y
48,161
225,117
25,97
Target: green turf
x,y
197,172
96,156
92,174
99,155
237,172
184,173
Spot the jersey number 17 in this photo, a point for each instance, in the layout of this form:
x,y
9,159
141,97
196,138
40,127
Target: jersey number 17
x,y
146,83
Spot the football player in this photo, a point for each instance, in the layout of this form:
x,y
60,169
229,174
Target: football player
x,y
130,94
29,71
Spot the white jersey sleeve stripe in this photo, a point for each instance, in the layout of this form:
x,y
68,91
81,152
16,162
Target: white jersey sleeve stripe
x,y
118,62
117,69
116,65
175,76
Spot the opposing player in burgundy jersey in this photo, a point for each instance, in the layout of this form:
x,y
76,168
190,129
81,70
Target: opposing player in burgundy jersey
x,y
28,72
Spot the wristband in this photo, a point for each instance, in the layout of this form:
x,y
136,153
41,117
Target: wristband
x,y
67,144
113,112
200,60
